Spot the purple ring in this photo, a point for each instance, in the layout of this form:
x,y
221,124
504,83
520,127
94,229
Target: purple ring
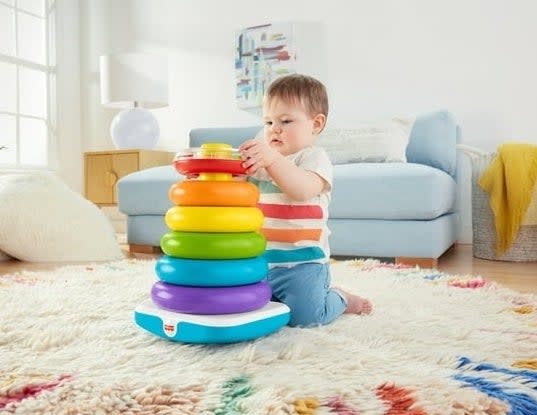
x,y
211,300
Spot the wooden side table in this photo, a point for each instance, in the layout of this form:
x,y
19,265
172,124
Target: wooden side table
x,y
102,170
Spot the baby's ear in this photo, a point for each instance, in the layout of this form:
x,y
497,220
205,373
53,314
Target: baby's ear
x,y
318,123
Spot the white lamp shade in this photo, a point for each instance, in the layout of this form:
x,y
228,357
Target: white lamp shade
x,y
129,78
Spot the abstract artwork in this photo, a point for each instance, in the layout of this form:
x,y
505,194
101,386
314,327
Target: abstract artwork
x,y
263,53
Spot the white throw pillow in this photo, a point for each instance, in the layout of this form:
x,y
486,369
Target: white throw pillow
x,y
43,220
373,142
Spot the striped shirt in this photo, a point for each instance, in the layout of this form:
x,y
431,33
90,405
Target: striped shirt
x,y
296,232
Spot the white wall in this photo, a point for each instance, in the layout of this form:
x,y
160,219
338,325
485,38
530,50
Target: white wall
x,y
474,57
68,145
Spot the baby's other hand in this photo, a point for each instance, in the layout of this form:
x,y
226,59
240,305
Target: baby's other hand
x,y
257,154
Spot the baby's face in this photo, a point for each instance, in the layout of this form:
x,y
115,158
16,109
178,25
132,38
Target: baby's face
x,y
288,127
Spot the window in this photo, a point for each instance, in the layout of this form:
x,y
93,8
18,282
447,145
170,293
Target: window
x,y
27,79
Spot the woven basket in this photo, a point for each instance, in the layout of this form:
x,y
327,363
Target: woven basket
x,y
524,248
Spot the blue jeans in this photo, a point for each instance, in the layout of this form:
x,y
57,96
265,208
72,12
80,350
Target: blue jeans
x,y
305,289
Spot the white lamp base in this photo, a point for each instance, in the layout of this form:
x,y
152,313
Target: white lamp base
x,y
135,128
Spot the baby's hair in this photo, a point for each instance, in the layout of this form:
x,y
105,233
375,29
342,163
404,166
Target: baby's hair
x,y
305,89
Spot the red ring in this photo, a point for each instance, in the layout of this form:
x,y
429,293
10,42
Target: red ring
x,y
191,166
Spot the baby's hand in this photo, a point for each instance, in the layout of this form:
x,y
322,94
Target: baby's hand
x,y
257,154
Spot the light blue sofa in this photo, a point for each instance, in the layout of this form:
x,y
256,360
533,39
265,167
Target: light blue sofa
x,y
405,211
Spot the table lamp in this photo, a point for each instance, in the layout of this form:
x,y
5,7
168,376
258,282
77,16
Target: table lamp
x,y
135,82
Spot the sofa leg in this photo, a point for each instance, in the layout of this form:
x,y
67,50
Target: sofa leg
x,y
144,249
420,262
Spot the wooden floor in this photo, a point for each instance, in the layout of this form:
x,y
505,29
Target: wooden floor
x,y
521,277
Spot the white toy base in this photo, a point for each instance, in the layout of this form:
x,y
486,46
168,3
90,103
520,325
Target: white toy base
x,y
226,328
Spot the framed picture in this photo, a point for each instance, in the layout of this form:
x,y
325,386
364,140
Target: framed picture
x,y
263,53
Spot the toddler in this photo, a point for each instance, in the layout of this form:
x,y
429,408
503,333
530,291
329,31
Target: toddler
x,y
295,180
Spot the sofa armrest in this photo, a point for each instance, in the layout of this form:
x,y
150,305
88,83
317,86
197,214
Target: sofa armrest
x,y
433,141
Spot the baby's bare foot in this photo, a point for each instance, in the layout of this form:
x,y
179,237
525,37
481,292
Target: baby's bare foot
x,y
355,303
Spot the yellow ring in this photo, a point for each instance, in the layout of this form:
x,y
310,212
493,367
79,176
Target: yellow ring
x,y
217,150
214,219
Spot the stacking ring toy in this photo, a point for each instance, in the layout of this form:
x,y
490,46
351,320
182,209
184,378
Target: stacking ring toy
x,y
211,272
218,151
214,219
208,329
213,193
199,245
209,158
189,167
213,300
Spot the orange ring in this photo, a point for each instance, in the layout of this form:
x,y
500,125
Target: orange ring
x,y
213,193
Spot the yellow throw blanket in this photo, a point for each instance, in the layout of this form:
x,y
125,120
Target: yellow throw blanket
x,y
510,181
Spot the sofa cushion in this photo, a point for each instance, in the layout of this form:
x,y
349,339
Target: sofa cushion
x,y
361,191
433,141
368,142
391,191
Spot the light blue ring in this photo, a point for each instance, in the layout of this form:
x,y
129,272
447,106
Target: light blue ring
x,y
211,272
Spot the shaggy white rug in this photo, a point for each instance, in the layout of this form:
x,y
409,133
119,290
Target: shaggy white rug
x,y
435,344
43,220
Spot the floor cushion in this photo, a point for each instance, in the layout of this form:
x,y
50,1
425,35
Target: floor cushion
x,y
4,256
43,220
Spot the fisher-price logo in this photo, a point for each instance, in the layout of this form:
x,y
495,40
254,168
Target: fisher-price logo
x,y
170,328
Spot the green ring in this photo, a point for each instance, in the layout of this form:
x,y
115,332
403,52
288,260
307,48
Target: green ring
x,y
222,245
